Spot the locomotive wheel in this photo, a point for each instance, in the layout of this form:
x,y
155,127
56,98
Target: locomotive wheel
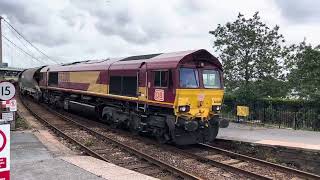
x,y
107,119
107,115
213,130
134,123
161,136
161,139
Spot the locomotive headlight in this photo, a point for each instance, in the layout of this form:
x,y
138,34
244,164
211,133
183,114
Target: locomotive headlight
x,y
216,108
184,108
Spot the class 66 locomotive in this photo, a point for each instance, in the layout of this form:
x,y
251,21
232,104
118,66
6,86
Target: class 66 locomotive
x,y
174,97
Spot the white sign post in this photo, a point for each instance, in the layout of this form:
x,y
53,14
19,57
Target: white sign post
x,y
4,151
8,107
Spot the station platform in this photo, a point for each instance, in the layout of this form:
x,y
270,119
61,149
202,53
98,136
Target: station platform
x,y
39,155
271,136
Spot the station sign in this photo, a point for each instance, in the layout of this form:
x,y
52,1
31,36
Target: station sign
x,y
242,111
8,103
6,117
4,151
11,105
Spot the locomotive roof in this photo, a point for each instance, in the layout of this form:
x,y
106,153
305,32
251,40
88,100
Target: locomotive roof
x,y
153,61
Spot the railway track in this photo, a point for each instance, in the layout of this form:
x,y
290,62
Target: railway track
x,y
244,158
245,164
234,162
239,165
105,148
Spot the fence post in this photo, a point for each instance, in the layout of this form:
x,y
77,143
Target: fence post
x,y
295,121
279,119
264,115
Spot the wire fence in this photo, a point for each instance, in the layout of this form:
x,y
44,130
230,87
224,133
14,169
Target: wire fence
x,y
297,116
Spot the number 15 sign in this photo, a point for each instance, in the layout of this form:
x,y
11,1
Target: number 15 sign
x,y
7,91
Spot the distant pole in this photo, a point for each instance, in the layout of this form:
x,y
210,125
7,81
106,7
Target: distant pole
x,y
0,41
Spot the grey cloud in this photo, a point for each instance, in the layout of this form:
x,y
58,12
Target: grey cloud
x,y
49,39
73,18
103,28
123,18
35,20
128,33
116,19
22,12
190,6
300,11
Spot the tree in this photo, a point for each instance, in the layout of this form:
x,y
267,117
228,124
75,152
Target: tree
x,y
251,54
304,67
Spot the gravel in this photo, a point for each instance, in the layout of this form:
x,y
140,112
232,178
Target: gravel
x,y
161,152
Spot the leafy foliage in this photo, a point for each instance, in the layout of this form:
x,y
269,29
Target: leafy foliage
x,y
251,54
304,67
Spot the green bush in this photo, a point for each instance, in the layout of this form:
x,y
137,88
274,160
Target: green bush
x,y
293,113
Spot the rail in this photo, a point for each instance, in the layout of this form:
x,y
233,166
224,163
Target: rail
x,y
125,147
262,162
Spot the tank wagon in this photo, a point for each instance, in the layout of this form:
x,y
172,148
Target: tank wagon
x,y
175,97
29,82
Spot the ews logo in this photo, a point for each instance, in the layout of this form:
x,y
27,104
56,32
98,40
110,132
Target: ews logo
x,y
159,94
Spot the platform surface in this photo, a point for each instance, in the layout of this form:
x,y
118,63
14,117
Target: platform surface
x,y
31,159
271,136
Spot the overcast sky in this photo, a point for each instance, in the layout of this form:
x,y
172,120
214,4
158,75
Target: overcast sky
x,y
70,30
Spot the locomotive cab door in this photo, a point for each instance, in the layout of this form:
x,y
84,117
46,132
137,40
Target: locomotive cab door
x,y
161,86
142,83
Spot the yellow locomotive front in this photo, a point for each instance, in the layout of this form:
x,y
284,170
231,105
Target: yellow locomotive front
x,y
198,102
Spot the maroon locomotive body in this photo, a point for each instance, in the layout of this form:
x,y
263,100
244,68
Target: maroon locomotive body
x,y
176,97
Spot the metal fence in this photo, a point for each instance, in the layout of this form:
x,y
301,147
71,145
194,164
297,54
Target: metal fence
x,y
301,116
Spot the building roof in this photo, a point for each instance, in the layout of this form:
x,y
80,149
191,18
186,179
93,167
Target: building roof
x,y
11,69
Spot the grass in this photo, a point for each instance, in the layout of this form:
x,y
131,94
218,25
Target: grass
x,y
21,124
88,142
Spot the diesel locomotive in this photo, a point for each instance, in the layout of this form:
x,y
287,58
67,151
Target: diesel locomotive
x,y
175,97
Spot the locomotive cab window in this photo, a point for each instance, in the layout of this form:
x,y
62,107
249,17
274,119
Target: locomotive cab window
x,y
189,78
161,78
211,79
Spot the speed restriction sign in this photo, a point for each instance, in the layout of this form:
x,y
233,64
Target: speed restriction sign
x,y
7,91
